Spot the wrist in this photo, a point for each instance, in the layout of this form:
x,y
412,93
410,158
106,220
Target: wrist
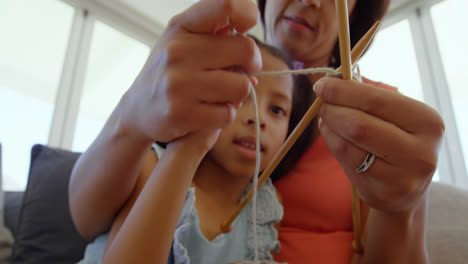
x,y
404,217
193,151
122,130
395,237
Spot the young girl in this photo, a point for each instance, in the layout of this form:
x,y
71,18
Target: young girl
x,y
176,209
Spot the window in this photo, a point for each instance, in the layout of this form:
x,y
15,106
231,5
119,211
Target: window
x,y
394,62
115,61
448,21
33,49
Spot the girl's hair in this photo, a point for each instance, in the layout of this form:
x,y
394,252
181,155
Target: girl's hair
x,y
302,99
365,14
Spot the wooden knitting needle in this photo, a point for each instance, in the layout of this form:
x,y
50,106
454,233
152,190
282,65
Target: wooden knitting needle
x,y
358,50
345,47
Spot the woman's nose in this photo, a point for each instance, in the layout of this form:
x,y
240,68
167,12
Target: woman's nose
x,y
315,3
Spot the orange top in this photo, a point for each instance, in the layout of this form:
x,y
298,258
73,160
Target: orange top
x,y
317,226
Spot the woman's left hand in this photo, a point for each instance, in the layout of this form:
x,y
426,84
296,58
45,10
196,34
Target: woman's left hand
x,y
404,134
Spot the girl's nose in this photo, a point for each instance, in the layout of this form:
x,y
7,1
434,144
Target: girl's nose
x,y
251,122
314,3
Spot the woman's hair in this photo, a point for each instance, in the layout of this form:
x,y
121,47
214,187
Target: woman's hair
x,y
301,101
365,14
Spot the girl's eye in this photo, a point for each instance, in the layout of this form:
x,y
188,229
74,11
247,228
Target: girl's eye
x,y
278,110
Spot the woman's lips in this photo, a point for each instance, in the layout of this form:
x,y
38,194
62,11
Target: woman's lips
x,y
297,23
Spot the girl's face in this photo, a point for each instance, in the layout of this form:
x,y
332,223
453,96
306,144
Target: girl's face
x,y
234,150
306,29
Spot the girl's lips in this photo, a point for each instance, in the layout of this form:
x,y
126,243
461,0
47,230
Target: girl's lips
x,y
246,146
248,141
246,152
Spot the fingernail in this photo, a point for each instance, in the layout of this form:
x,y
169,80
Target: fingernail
x,y
318,87
224,31
320,122
254,80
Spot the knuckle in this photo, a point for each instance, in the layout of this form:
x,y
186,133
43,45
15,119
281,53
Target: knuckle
x,y
228,6
373,104
230,115
358,130
175,114
427,164
405,188
329,91
438,126
174,52
225,117
244,88
173,82
249,49
174,22
342,148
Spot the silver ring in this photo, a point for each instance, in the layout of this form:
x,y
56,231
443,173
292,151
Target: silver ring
x,y
367,163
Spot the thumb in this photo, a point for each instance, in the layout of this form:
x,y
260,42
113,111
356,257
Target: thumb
x,y
209,16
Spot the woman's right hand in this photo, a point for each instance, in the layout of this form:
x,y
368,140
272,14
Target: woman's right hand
x,y
186,85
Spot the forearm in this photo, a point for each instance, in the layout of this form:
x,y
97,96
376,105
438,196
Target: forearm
x,y
147,233
104,177
395,238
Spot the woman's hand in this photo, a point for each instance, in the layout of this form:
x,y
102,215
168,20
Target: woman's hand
x,y
186,84
404,134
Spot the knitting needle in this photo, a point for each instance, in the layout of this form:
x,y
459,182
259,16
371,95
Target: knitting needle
x,y
345,47
358,50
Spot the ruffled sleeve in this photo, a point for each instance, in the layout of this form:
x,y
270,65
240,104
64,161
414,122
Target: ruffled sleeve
x,y
269,212
178,253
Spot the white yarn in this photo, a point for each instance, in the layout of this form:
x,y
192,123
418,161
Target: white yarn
x,y
257,171
329,71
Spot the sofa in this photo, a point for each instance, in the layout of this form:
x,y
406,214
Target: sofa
x,y
43,232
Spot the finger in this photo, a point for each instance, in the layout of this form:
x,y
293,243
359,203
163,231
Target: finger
x,y
218,87
370,133
349,155
208,16
380,184
196,116
215,52
406,113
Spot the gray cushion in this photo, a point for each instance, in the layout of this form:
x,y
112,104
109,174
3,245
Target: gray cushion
x,y
447,230
6,239
12,208
45,232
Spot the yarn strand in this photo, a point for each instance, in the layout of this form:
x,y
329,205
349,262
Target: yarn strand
x,y
257,171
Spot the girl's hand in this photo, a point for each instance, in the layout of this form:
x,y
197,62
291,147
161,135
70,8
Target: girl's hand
x,y
404,134
186,84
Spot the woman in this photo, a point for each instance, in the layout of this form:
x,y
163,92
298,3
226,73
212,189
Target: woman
x,y
174,96
357,119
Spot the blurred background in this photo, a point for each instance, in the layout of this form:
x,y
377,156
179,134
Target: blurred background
x,y
64,65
